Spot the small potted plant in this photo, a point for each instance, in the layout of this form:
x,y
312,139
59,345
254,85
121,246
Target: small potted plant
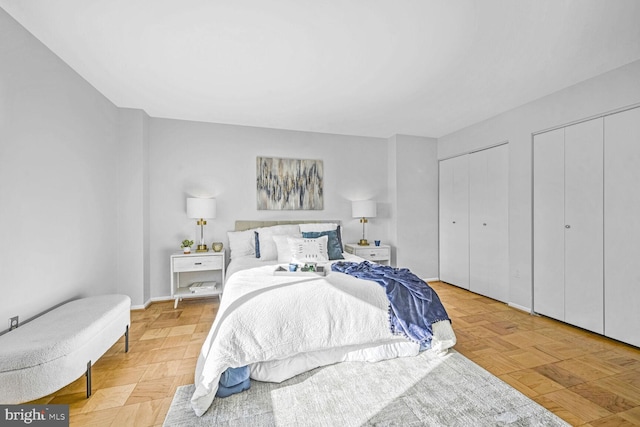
x,y
186,246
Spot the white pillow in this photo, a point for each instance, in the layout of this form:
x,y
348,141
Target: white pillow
x,y
282,245
318,227
241,243
308,250
268,249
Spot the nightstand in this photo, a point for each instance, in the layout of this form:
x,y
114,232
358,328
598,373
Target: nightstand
x,y
380,254
204,272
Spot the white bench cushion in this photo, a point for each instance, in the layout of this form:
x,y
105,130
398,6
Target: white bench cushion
x,y
60,331
52,350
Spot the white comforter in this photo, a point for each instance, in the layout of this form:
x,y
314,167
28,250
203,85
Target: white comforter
x,y
264,317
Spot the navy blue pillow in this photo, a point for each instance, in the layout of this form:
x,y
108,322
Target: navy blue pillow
x,y
339,232
333,244
257,235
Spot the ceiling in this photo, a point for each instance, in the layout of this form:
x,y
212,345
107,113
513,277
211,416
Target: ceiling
x,y
354,67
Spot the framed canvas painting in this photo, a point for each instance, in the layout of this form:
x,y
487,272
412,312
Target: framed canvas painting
x,y
289,184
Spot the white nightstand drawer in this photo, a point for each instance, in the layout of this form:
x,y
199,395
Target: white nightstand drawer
x,y
197,263
374,254
380,254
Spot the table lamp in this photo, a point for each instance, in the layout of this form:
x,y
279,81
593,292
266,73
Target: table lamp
x,y
201,209
363,209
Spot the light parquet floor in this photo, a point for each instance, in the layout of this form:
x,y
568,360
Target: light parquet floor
x,y
584,378
136,388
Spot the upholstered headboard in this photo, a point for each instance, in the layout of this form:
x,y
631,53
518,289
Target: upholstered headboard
x,y
242,225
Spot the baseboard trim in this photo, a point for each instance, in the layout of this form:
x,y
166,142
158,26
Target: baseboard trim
x,y
519,307
432,279
149,301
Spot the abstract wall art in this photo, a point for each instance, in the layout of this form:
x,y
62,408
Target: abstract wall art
x,y
289,184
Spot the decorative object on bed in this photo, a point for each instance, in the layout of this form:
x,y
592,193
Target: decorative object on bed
x,y
265,245
334,248
242,241
304,250
301,271
186,246
291,250
310,266
283,325
320,227
289,184
363,209
201,209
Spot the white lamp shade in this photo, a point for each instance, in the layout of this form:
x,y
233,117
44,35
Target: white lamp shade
x,y
363,209
201,208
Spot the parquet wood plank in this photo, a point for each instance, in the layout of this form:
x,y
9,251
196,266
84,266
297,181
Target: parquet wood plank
x,y
536,381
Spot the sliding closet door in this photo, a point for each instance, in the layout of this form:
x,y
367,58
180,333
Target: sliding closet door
x,y
498,219
584,218
454,221
445,206
622,225
548,224
488,222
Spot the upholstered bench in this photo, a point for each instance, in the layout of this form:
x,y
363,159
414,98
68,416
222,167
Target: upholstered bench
x,y
55,349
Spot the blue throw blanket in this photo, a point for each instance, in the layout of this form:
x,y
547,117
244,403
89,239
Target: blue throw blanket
x,y
413,305
233,380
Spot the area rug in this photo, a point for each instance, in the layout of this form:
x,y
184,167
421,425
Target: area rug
x,y
426,390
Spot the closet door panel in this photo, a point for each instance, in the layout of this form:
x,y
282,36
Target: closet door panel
x,y
622,226
584,220
461,220
454,254
488,222
497,220
447,251
548,224
479,242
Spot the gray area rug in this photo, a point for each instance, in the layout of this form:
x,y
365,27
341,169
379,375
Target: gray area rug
x,y
426,390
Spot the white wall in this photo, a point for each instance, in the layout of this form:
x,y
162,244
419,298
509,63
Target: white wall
x,y
392,183
58,200
413,180
213,160
609,91
133,206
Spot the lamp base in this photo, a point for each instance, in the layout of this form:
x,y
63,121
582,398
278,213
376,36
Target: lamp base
x,y
363,242
202,248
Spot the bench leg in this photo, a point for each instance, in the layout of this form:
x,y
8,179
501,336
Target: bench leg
x,y
126,340
88,374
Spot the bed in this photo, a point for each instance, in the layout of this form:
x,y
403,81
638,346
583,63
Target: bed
x,y
280,325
